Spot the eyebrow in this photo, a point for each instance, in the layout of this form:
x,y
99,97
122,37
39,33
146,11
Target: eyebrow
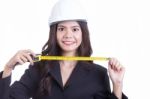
x,y
65,26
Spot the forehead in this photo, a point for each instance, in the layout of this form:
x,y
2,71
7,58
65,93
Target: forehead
x,y
68,23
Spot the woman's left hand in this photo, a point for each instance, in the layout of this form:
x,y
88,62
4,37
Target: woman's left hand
x,y
116,71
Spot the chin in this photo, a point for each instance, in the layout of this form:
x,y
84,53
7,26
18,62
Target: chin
x,y
69,49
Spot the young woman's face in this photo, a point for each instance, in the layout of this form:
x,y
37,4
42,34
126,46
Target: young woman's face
x,y
69,36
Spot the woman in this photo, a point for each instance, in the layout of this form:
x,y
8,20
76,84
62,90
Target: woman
x,y
69,36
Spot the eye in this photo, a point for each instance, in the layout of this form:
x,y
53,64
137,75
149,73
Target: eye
x,y
75,29
60,29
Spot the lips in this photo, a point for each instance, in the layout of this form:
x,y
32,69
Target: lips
x,y
68,42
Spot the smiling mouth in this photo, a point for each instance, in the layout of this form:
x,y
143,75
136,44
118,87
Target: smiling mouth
x,y
68,42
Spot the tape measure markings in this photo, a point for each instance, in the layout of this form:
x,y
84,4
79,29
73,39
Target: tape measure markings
x,y
39,58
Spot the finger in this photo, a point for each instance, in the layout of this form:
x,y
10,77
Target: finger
x,y
29,58
112,63
23,58
117,66
30,52
122,69
20,62
109,68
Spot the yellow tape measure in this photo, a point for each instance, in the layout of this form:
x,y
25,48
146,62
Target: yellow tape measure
x,y
39,58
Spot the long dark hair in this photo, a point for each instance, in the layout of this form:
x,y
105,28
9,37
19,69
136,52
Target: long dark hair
x,y
51,47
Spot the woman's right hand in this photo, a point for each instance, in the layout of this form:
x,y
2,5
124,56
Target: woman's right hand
x,y
20,57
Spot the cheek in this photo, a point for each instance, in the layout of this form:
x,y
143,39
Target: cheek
x,y
79,38
58,37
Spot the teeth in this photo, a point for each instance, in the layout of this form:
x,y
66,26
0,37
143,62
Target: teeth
x,y
67,42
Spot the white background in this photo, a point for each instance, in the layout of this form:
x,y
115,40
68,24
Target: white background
x,y
118,28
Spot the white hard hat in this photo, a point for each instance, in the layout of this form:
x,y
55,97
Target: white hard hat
x,y
65,10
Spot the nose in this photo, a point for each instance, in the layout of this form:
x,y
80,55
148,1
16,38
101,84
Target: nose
x,y
68,33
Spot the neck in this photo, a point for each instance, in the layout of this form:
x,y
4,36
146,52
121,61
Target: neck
x,y
66,62
69,54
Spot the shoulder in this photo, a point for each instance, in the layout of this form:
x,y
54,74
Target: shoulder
x,y
32,72
99,70
98,67
95,68
96,73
